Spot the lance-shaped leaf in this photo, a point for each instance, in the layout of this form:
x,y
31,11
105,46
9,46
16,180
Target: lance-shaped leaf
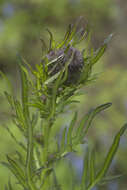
x,y
69,36
29,158
86,71
109,158
101,50
43,46
94,113
86,122
29,80
108,179
84,180
19,114
72,33
46,174
51,79
80,128
68,32
17,171
10,99
80,35
98,54
92,166
9,85
70,131
25,90
63,141
52,41
55,65
35,118
55,180
54,93
14,138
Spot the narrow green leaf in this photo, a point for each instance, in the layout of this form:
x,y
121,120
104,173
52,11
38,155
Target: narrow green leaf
x,y
54,94
98,54
65,38
108,179
89,61
45,181
14,138
35,118
72,33
65,74
86,72
62,146
37,104
16,167
27,76
10,99
17,171
27,64
55,180
79,130
88,41
70,130
20,158
86,122
51,79
109,158
52,41
25,90
65,69
29,159
68,103
18,124
80,35
7,81
84,180
92,166
55,60
19,113
44,46
69,36
101,50
94,113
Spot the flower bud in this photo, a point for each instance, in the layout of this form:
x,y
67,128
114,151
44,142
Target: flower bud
x,y
75,59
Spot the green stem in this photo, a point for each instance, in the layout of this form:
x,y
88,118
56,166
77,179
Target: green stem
x,y
29,158
47,129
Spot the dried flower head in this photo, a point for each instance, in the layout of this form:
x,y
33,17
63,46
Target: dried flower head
x,y
66,55
75,63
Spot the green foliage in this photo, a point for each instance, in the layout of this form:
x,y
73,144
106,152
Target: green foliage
x,y
47,90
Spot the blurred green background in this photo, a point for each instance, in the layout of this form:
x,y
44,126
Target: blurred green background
x,y
22,24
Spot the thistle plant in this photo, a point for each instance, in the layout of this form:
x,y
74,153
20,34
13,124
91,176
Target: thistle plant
x,y
47,91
